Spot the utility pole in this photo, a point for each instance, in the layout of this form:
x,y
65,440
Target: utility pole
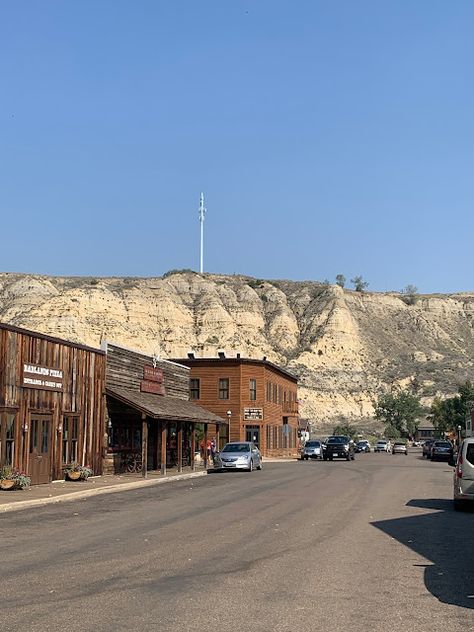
x,y
202,213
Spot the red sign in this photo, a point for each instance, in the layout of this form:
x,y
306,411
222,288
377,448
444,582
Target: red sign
x,y
146,386
151,374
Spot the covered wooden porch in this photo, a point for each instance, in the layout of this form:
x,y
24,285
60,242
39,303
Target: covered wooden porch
x,y
148,432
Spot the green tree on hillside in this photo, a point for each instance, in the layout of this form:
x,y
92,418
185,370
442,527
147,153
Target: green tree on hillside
x,y
410,294
340,280
359,284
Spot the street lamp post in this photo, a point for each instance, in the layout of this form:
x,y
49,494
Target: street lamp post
x,y
459,436
229,415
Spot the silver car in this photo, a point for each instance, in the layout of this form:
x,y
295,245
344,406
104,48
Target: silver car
x,y
239,455
464,475
312,450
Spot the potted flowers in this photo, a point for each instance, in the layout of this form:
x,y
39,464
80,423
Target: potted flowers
x,y
76,472
12,478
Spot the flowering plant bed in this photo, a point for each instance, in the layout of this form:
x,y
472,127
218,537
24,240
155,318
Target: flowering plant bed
x,y
76,472
13,478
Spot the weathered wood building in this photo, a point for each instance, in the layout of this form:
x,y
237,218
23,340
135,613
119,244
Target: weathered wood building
x,y
258,398
151,423
51,404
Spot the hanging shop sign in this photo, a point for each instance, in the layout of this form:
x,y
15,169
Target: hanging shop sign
x,y
42,377
152,381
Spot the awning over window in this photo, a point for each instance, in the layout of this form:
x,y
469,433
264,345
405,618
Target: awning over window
x,y
165,408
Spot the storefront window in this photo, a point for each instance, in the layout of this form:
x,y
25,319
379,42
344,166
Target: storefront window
x,y
70,438
7,438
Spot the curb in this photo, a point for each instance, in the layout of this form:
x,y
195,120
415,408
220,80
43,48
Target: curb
x,y
38,502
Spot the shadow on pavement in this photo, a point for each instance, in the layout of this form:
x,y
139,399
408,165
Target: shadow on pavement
x,y
443,537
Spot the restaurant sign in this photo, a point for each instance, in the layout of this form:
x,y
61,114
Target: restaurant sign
x,y
152,381
42,377
253,414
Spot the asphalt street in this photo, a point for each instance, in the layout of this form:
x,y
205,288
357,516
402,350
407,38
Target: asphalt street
x,y
372,544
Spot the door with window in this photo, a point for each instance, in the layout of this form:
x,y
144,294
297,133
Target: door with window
x,y
252,433
40,449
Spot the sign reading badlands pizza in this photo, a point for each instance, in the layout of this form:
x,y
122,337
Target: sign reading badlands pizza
x,y
42,377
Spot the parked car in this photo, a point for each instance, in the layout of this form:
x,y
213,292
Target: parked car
x,y
312,450
427,448
400,447
362,446
339,447
241,455
463,481
441,450
382,445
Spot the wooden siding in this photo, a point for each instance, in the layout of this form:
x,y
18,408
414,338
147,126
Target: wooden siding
x,y
125,369
240,373
209,393
84,388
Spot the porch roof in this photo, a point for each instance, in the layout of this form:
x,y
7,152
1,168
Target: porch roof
x,y
165,408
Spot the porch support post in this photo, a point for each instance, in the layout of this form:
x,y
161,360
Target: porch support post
x,y
144,446
205,446
193,446
180,446
218,438
163,447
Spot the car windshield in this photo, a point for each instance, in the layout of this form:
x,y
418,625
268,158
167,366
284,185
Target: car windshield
x,y
312,444
381,443
338,440
442,444
236,447
362,443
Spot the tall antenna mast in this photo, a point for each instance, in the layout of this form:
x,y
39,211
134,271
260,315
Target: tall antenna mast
x,y
202,213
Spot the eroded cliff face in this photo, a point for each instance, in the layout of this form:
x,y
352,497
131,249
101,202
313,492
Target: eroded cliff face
x,y
346,347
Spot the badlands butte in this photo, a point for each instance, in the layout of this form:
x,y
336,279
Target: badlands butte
x,y
346,347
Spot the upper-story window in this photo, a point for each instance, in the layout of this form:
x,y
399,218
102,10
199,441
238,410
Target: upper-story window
x,y
224,388
194,388
253,390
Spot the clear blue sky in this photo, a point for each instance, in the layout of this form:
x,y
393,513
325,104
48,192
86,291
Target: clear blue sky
x,y
329,137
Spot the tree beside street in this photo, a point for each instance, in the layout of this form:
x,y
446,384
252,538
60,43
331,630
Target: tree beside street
x,y
400,411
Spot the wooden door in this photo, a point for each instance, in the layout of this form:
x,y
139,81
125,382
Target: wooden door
x,y
40,449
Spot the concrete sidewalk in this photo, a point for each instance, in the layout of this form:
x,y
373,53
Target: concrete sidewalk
x,y
63,491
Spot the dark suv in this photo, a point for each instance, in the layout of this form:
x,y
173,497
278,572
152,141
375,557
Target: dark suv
x,y
338,447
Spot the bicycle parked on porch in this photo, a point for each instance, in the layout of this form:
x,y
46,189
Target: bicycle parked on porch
x,y
133,463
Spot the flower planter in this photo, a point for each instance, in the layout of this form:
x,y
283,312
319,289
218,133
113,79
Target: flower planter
x,y
74,476
7,483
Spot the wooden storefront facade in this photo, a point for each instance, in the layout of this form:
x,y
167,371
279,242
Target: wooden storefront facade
x,y
51,404
151,423
258,397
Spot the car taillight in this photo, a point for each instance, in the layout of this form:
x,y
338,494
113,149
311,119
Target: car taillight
x,y
459,467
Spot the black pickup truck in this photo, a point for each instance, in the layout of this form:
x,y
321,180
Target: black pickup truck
x,y
338,447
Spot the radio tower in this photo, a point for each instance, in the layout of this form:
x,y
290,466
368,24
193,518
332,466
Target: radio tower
x,y
202,213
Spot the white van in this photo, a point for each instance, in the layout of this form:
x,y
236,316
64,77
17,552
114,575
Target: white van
x,y
463,492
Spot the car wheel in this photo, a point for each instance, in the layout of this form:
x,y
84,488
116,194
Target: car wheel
x,y
259,466
251,466
353,457
306,458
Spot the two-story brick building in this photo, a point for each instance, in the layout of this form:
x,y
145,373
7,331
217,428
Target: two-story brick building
x,y
258,398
